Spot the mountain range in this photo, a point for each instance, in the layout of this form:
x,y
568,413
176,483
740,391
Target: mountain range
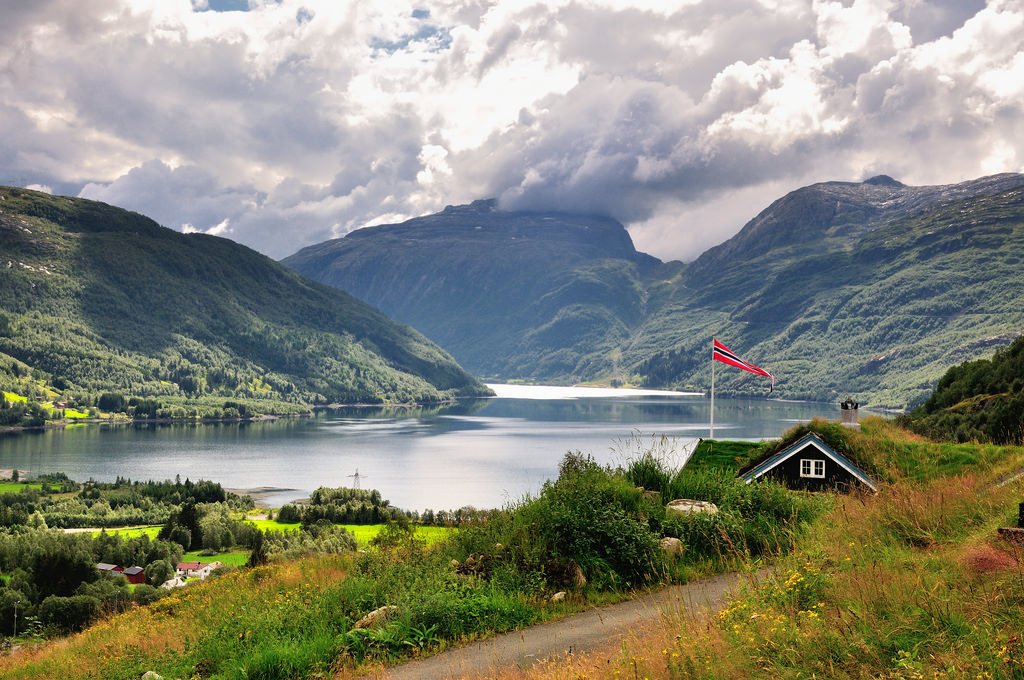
x,y
866,289
94,298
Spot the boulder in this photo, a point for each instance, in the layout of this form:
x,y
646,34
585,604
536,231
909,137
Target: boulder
x,y
152,675
672,547
377,617
559,596
685,506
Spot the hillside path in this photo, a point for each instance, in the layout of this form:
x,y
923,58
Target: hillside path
x,y
587,631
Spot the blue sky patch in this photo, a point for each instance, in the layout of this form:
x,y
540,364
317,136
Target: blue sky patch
x,y
440,37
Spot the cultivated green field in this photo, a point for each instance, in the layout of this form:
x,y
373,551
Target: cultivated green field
x,y
16,487
232,558
364,533
13,398
132,532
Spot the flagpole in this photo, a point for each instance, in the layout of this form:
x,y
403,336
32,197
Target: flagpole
x,y
712,435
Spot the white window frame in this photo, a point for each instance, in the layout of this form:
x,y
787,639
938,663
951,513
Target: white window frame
x,y
812,467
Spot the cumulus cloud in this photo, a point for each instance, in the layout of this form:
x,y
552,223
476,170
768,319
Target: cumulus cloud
x,y
295,121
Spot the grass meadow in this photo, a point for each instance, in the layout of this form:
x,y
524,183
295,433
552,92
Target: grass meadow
x,y
914,582
363,533
16,487
231,558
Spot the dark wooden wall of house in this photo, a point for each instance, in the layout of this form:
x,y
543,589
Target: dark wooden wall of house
x,y
836,476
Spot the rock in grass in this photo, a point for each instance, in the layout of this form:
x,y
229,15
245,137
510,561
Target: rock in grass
x,y
152,675
559,596
685,506
672,547
377,617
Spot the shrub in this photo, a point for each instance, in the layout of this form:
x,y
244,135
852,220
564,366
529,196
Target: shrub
x,y
754,519
69,613
588,519
145,594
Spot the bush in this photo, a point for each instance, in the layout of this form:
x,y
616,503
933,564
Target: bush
x,y
589,519
69,614
753,519
146,594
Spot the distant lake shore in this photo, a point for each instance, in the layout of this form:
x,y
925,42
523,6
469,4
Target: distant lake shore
x,y
482,452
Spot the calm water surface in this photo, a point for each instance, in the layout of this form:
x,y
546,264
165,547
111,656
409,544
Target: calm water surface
x,y
482,452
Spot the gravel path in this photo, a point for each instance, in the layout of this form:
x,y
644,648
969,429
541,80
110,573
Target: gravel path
x,y
583,632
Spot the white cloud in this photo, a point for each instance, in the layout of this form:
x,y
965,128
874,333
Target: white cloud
x,y
300,120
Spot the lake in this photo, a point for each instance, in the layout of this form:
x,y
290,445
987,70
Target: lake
x,y
480,452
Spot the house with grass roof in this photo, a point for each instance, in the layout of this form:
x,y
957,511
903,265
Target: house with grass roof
x,y
809,464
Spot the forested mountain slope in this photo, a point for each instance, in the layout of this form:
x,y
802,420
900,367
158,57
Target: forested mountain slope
x,y
94,298
870,289
510,294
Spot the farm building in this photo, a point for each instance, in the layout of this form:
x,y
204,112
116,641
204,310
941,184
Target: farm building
x,y
198,570
135,575
810,464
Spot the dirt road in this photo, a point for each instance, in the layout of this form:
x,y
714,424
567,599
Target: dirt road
x,y
583,632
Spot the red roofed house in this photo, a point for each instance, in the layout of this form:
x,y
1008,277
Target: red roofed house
x,y
196,569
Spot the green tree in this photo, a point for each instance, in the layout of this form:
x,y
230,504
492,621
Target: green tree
x,y
12,603
159,571
69,613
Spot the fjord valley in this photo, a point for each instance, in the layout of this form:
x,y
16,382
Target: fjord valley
x,y
98,302
539,296
871,289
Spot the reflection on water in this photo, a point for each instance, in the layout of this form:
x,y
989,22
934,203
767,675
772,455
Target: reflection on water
x,y
482,452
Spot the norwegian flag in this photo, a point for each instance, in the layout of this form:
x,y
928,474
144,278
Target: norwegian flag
x,y
720,352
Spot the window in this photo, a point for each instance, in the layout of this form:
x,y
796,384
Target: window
x,y
812,468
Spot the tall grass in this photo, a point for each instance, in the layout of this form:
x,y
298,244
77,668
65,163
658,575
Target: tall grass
x,y
594,530
913,582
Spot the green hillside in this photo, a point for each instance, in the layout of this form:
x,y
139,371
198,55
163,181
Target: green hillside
x,y
876,291
868,289
981,400
510,294
96,299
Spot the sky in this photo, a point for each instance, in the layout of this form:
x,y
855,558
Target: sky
x,y
280,124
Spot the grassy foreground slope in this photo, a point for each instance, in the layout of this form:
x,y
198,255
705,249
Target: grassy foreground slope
x,y
913,582
592,533
98,299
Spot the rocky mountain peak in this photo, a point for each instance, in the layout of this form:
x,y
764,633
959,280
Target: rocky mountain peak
x,y
884,181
